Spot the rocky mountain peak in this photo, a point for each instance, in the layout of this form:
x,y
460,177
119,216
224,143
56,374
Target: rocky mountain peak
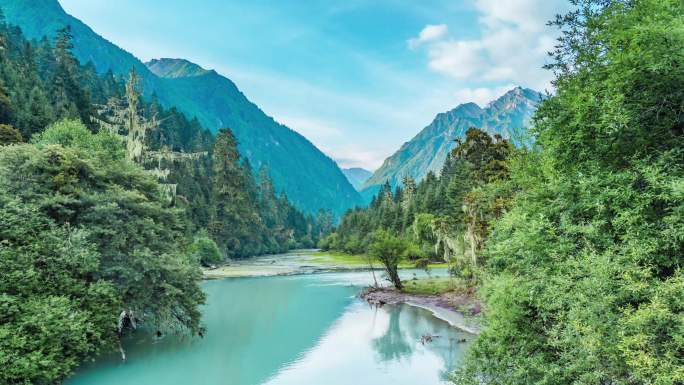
x,y
427,151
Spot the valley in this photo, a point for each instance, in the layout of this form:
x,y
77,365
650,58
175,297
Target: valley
x,y
157,226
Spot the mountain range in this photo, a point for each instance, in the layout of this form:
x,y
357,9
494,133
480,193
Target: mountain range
x,y
428,150
310,179
356,176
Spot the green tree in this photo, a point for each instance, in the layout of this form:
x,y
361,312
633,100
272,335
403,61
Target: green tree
x,y
204,250
584,268
54,310
388,249
84,240
9,135
235,221
70,100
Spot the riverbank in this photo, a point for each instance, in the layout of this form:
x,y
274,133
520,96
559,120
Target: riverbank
x,y
460,310
443,297
296,262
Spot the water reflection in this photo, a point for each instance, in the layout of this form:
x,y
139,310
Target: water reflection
x,y
406,327
393,345
290,331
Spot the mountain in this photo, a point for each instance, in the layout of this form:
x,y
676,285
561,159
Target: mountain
x,y
356,176
310,179
428,150
175,68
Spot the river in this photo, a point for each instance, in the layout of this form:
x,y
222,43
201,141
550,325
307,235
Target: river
x,y
299,330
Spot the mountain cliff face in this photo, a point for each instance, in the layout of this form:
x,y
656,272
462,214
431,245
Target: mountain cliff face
x,y
356,176
428,150
309,178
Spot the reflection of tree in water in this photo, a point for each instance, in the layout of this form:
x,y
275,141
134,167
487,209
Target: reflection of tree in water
x,y
393,345
447,346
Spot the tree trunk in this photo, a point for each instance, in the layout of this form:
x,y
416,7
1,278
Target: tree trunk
x,y
394,277
370,263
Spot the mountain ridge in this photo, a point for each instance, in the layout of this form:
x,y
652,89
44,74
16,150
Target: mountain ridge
x,y
356,176
310,178
428,149
175,68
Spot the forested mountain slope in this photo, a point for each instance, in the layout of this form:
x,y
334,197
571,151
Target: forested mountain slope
x,y
309,178
428,150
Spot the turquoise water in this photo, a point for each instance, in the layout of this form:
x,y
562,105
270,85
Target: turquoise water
x,y
299,330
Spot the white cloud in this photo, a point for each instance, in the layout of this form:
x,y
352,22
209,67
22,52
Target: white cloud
x,y
458,59
353,156
528,15
428,34
511,49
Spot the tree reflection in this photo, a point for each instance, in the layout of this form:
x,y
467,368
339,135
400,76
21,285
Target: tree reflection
x,y
393,345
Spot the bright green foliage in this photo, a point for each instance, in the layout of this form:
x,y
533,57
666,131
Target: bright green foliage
x,y
204,250
441,218
585,282
84,235
54,310
389,250
72,133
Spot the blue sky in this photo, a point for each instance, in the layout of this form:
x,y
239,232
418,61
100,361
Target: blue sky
x,y
356,77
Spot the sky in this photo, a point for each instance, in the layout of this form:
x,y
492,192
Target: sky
x,y
356,77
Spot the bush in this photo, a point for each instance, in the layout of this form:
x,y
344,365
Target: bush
x,y
85,237
205,251
9,135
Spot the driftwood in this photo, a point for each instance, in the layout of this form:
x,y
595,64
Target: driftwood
x,y
427,338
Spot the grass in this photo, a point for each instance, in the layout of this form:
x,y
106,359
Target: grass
x,y
338,258
360,260
433,286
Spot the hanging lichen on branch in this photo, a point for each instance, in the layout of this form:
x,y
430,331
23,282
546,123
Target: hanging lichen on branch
x,y
122,117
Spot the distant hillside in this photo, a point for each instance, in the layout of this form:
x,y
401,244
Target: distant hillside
x,y
175,68
427,151
356,176
309,178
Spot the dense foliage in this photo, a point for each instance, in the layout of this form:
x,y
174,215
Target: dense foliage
x,y
442,217
584,280
90,243
85,235
578,241
42,82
